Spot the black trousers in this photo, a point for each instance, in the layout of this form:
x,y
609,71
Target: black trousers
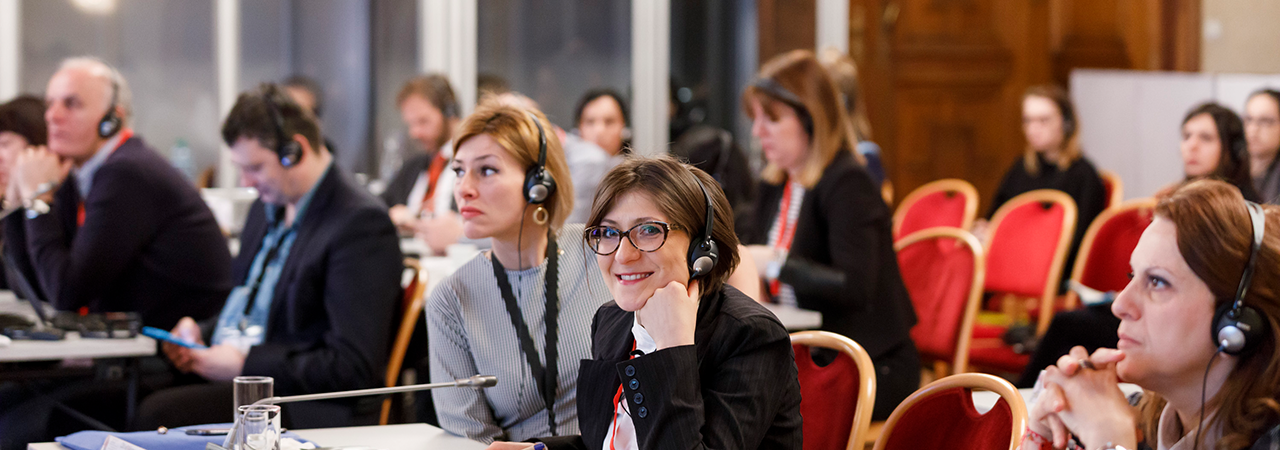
x,y
1092,327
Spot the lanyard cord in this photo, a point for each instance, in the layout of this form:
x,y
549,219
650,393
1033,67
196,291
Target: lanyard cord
x,y
272,254
546,376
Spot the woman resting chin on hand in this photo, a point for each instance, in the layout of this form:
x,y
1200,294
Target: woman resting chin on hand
x,y
678,361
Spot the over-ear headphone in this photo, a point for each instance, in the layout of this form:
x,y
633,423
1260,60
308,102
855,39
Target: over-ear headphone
x,y
111,122
773,88
289,150
1068,119
1237,329
539,185
703,251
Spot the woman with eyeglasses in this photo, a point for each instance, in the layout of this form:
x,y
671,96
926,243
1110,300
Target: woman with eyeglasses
x,y
521,312
679,359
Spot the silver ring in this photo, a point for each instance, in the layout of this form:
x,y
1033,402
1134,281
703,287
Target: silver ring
x,y
1085,363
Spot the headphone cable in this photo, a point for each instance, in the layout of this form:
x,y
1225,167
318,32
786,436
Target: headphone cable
x,y
1204,382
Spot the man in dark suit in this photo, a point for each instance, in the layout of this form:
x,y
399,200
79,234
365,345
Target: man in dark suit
x,y
108,223
318,281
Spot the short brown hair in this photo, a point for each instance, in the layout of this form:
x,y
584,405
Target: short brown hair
x,y
1070,149
673,187
800,73
513,128
1214,236
251,117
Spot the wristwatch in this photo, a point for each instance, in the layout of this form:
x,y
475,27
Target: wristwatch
x,y
36,208
1111,446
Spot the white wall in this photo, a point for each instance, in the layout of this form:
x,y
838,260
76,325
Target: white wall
x,y
1130,121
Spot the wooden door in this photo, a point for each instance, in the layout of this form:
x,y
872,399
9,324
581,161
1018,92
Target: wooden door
x,y
943,79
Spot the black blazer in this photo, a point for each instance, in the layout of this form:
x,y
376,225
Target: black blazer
x,y
337,302
842,261
397,192
149,243
746,394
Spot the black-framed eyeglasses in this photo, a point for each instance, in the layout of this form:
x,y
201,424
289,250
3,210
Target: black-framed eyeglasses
x,y
645,236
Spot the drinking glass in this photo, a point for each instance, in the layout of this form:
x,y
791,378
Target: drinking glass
x,y
259,428
250,389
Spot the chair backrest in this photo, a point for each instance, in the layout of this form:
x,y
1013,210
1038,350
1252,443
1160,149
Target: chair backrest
x,y
1103,261
1027,243
836,399
942,415
1114,188
942,203
412,305
943,270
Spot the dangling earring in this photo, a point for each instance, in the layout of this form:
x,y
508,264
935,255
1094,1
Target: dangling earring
x,y
541,215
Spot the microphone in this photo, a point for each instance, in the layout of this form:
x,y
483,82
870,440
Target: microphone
x,y
475,381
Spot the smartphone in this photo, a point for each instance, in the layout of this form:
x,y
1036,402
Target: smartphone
x,y
208,431
156,333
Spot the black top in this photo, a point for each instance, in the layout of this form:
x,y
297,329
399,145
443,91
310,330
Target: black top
x,y
1080,180
746,393
337,301
842,261
148,244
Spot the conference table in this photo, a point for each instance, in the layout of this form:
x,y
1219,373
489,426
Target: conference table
x,y
413,436
77,354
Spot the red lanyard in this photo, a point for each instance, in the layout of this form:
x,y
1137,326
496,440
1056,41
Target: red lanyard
x,y
617,398
124,136
786,232
433,175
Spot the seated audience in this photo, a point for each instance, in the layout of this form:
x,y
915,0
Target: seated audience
x,y
521,312
1214,146
679,358
318,282
1262,132
1206,130
1053,160
1194,277
844,72
109,224
821,234
601,117
420,195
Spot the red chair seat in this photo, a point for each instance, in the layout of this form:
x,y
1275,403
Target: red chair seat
x,y
949,420
829,398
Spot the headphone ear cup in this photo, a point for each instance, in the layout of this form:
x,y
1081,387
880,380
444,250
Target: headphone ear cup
x,y
290,153
539,185
1237,331
703,257
109,126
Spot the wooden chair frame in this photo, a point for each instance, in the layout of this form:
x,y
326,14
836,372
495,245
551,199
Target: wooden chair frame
x,y
414,299
960,363
946,185
1017,406
1050,291
1086,244
866,378
1117,187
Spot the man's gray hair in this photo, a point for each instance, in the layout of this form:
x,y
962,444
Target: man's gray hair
x,y
99,68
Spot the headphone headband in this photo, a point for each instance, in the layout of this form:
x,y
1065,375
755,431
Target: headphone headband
x,y
1259,221
776,90
288,151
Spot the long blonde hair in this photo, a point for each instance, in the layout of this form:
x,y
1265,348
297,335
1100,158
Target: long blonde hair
x,y
1069,151
798,74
